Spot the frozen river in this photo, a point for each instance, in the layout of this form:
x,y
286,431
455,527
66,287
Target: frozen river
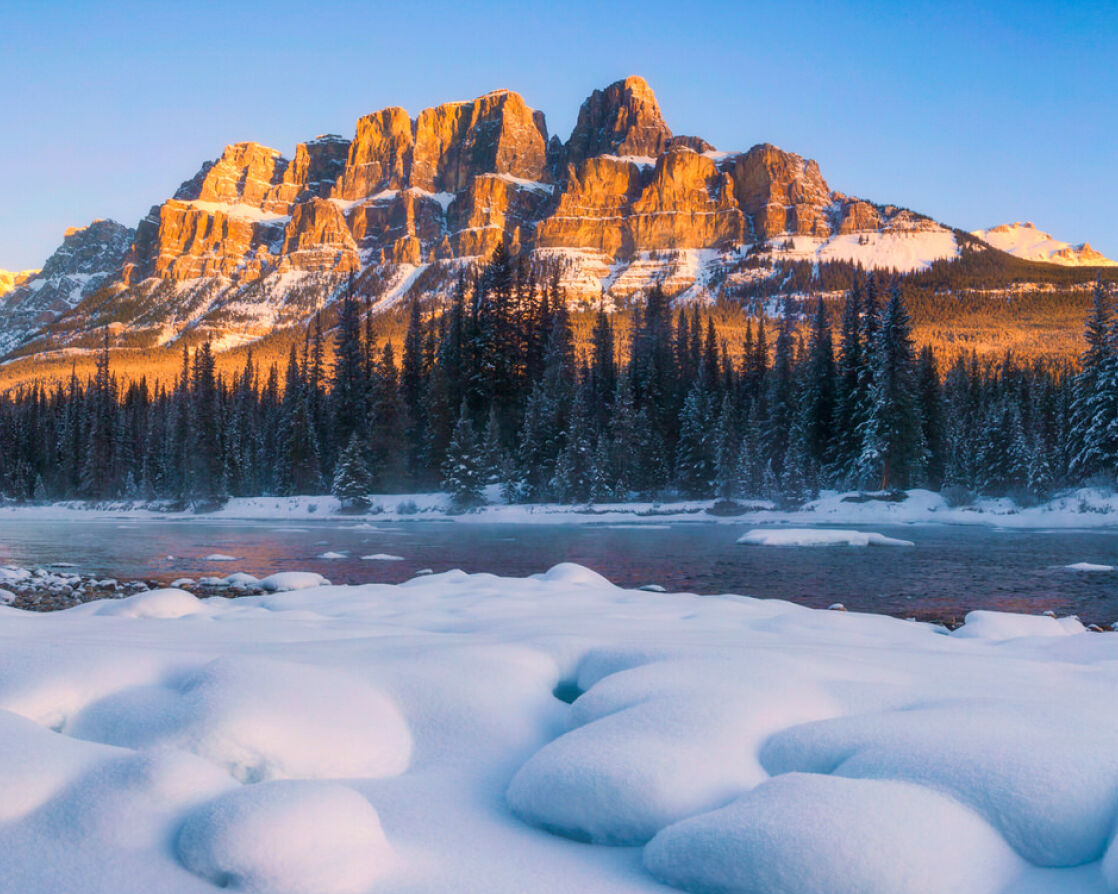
x,y
949,571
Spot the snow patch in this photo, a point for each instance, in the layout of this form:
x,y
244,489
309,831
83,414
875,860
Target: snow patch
x,y
818,537
292,580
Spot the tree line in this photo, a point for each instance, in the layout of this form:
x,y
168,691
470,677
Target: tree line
x,y
490,390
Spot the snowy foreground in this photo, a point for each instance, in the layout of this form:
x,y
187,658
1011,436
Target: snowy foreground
x,y
1082,508
420,738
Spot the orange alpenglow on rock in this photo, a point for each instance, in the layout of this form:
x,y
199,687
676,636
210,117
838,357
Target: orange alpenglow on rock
x,y
412,203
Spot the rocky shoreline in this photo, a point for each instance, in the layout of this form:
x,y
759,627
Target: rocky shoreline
x,y
55,587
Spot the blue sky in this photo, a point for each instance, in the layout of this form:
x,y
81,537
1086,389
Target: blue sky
x,y
974,114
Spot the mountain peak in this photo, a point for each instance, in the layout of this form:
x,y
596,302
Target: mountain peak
x,y
623,119
1024,240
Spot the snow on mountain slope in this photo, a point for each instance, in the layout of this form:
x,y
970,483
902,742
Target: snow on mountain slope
x,y
409,738
905,251
1024,240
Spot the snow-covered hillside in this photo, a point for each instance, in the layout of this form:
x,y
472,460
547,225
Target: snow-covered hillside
x,y
422,738
1024,240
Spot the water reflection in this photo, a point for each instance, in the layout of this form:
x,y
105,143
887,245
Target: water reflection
x,y
950,571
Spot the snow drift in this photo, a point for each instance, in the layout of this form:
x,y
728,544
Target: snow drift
x,y
470,733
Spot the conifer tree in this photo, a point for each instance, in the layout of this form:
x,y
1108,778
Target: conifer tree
x,y
817,395
1095,409
348,397
352,481
892,437
464,469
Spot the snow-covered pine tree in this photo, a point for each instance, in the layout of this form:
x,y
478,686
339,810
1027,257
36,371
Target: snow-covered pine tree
x,y
893,453
849,376
464,469
543,432
695,452
751,462
352,482
574,469
817,391
780,395
726,446
348,393
1095,408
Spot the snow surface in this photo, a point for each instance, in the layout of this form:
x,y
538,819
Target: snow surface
x,y
1083,508
1024,240
818,537
407,738
901,250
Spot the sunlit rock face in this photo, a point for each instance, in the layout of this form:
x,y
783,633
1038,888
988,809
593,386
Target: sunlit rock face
x,y
621,204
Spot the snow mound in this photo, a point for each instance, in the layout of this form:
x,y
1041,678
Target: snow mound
x,y
241,579
259,719
132,800
168,604
383,557
1088,566
817,537
1034,771
332,555
657,743
219,557
11,575
287,838
293,580
984,624
572,573
37,764
808,834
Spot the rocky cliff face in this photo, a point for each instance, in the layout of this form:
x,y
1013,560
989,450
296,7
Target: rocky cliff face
x,y
622,203
85,261
624,119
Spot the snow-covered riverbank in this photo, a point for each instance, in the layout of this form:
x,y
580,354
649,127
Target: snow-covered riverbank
x,y
421,738
1082,508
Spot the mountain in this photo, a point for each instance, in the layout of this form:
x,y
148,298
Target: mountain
x,y
9,279
255,242
1024,240
87,259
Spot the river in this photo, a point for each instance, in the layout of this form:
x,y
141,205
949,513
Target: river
x,y
949,571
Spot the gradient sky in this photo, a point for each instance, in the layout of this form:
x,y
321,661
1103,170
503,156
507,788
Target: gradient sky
x,y
974,114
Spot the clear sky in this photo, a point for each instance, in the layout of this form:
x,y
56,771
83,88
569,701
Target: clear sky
x,y
976,114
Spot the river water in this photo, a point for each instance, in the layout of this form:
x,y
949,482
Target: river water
x,y
949,571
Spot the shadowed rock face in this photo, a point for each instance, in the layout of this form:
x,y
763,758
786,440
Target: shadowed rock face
x,y
87,259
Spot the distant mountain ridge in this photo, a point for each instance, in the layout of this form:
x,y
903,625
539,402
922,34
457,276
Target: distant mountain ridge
x,y
255,242
1024,240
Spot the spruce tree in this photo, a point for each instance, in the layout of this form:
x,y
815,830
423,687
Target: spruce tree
x,y
893,453
817,394
348,397
464,469
352,482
